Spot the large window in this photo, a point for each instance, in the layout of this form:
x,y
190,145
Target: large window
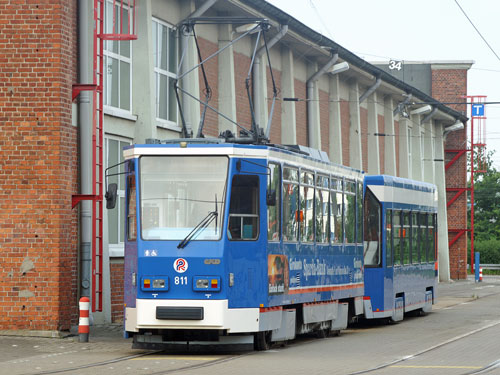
x,y
321,209
273,206
405,237
244,208
372,218
414,238
388,238
306,207
336,201
116,227
290,201
165,67
398,233
350,211
117,61
181,194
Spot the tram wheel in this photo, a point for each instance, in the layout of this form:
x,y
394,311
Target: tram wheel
x,y
262,340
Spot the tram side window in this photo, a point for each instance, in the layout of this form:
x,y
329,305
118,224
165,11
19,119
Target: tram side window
x,y
350,212
336,229
132,209
359,211
414,238
291,213
372,230
244,208
273,211
405,238
306,199
397,236
321,209
431,254
388,238
423,237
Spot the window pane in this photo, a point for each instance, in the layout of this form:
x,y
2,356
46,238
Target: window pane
x,y
423,238
350,218
163,97
372,230
306,213
110,45
124,44
172,51
112,79
405,239
336,233
396,218
155,43
290,174
359,206
152,217
322,197
388,238
414,238
163,47
244,208
125,85
290,212
273,211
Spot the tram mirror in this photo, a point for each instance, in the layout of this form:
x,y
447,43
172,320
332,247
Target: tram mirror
x,y
271,198
110,195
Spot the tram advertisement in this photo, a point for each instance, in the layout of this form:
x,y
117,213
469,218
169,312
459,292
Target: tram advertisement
x,y
277,271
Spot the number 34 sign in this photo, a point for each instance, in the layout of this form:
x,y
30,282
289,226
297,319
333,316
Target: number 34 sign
x,y
395,65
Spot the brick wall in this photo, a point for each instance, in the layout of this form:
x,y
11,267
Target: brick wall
x,y
449,85
38,167
116,279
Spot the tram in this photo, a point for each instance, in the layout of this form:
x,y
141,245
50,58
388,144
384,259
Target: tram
x,y
400,246
253,244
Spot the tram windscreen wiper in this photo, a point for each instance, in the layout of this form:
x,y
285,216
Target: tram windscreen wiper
x,y
205,222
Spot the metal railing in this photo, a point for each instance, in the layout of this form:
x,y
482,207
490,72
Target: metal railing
x,y
490,266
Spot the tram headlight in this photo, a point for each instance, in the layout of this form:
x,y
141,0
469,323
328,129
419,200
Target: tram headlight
x,y
159,283
154,283
206,283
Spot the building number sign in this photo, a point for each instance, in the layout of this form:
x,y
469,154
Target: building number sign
x,y
395,65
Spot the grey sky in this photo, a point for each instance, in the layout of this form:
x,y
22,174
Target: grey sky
x,y
416,30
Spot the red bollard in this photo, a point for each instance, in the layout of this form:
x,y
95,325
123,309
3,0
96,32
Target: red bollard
x,y
480,274
83,323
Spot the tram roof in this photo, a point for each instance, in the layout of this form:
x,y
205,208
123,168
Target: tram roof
x,y
399,182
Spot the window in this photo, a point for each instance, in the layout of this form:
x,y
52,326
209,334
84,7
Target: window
x,y
336,201
359,212
388,238
290,204
273,211
131,209
414,238
423,238
372,230
306,207
244,208
396,221
116,225
321,209
117,62
165,67
350,212
405,238
431,255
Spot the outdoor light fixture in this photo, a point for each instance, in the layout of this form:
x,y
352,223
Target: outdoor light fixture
x,y
456,126
422,110
339,68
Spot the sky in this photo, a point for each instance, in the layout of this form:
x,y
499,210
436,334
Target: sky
x,y
423,30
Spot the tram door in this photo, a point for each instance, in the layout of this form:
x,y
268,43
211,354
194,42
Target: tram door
x,y
246,236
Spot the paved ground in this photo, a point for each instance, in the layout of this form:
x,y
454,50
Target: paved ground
x,y
461,336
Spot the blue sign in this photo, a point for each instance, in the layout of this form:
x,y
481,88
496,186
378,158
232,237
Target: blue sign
x,y
477,110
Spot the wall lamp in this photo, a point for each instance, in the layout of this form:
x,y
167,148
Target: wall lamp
x,y
338,68
422,110
456,126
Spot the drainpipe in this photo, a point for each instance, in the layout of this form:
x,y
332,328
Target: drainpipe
x,y
310,93
256,69
370,90
85,128
429,115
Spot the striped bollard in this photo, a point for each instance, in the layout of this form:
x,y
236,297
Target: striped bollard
x,y
480,274
83,323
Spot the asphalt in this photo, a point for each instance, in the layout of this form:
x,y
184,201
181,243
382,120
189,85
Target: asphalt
x,y
42,355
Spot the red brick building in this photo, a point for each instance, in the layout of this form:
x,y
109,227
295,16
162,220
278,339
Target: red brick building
x,y
41,157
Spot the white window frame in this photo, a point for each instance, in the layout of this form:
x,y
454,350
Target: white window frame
x,y
116,250
157,71
110,109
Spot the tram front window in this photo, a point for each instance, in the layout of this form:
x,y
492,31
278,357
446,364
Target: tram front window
x,y
178,192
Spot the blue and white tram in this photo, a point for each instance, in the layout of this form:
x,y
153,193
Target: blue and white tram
x,y
240,243
400,246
